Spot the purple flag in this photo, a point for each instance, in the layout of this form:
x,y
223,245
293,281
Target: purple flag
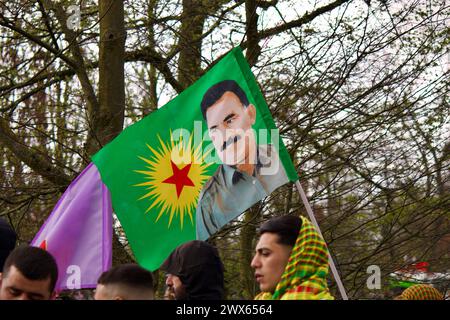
x,y
78,232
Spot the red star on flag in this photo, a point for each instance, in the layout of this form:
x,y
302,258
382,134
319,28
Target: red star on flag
x,y
43,245
180,178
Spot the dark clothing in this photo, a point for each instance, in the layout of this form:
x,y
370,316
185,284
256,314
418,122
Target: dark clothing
x,y
199,268
7,241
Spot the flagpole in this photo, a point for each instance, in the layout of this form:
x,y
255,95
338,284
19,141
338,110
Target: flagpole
x,y
314,222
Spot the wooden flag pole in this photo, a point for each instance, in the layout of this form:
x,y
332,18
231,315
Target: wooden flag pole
x,y
314,222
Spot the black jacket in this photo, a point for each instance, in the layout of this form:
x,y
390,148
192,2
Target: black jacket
x,y
7,241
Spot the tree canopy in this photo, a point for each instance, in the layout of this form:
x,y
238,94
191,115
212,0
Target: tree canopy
x,y
358,90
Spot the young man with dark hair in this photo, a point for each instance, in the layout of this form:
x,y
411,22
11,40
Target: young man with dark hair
x,y
125,282
249,171
291,261
194,272
29,273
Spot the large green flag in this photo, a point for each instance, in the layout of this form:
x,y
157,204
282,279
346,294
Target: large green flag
x,y
190,167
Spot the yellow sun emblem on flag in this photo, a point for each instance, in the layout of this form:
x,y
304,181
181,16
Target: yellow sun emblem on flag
x,y
175,174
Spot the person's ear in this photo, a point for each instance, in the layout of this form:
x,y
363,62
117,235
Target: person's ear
x,y
118,298
251,113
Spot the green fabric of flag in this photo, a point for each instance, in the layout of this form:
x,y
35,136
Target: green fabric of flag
x,y
158,168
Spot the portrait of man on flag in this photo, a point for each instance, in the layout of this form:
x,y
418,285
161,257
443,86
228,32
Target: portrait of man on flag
x,y
249,171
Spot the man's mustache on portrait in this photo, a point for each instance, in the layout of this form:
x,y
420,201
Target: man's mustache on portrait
x,y
230,140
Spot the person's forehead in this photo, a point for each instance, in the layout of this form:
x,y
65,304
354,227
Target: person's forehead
x,y
267,240
230,96
173,276
14,275
103,292
229,100
101,289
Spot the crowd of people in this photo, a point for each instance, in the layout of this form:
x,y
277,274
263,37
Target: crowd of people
x,y
290,263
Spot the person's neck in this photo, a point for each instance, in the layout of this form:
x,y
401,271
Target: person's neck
x,y
246,167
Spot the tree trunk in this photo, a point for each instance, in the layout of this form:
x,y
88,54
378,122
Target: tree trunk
x,y
248,234
251,22
190,43
109,122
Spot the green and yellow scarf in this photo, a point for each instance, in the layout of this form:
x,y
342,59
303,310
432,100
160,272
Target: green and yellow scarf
x,y
421,292
305,276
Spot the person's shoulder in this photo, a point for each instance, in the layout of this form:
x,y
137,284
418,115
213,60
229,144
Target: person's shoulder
x,y
214,182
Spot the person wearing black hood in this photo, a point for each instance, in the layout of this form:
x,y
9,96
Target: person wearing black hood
x,y
7,241
195,272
